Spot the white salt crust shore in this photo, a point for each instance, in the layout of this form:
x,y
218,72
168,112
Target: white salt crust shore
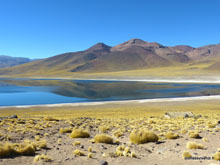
x,y
202,80
196,98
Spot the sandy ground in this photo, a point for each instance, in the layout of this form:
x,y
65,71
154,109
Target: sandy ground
x,y
165,152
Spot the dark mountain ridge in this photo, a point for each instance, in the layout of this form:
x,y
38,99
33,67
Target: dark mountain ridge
x,y
134,54
8,61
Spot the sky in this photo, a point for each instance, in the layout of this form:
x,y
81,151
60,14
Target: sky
x,y
44,28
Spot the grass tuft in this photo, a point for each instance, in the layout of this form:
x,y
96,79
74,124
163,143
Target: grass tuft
x,y
171,135
193,134
194,145
65,130
42,157
143,136
186,154
79,133
78,152
216,156
103,138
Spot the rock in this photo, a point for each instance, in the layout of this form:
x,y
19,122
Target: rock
x,y
179,114
13,117
103,162
217,126
9,117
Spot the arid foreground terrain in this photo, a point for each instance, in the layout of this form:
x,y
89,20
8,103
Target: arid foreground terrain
x,y
117,133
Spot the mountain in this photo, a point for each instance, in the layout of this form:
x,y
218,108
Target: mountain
x,y
8,61
205,52
131,55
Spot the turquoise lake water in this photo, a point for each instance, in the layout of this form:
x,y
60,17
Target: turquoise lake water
x,y
38,91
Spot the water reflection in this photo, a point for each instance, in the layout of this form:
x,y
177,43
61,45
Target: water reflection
x,y
67,91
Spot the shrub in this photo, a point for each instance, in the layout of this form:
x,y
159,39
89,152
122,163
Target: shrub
x,y
65,130
186,154
193,145
119,153
90,149
118,133
205,139
37,138
79,133
102,138
12,150
193,134
216,156
171,135
48,118
27,150
77,143
42,157
212,125
7,150
103,129
143,136
133,155
41,144
59,140
78,152
89,155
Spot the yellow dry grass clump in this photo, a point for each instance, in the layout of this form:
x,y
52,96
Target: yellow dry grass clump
x,y
143,136
212,125
78,152
171,135
186,154
41,144
90,149
12,150
103,129
194,145
7,150
193,134
65,130
103,138
125,151
89,155
49,118
77,143
42,157
216,156
79,133
205,139
118,133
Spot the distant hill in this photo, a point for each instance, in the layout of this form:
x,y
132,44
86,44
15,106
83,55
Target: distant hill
x,y
134,54
8,61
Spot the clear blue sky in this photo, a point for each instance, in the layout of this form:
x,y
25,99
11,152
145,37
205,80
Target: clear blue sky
x,y
43,28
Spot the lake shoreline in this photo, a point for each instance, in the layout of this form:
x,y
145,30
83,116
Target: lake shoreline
x,y
197,79
160,100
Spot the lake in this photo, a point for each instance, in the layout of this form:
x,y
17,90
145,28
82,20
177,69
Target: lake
x,y
44,91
